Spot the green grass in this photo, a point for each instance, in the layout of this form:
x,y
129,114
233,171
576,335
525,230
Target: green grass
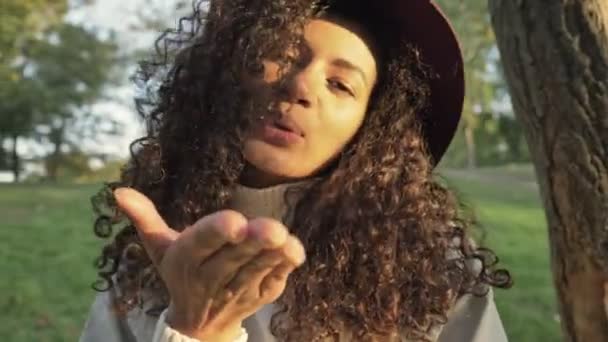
x,y
515,228
46,252
47,248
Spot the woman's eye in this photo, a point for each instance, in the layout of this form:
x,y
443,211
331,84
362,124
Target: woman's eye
x,y
340,86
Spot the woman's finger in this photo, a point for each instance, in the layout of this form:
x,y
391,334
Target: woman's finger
x,y
155,234
269,232
212,232
221,266
250,276
294,250
274,282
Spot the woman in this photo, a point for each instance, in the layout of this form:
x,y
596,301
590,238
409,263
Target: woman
x,y
284,190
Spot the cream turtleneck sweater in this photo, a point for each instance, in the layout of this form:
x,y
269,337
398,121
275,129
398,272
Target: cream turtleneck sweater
x,y
264,202
473,319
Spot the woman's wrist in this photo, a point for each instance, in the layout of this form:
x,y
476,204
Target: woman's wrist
x,y
177,323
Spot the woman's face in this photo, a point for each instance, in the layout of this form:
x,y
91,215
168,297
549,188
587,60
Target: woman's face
x,y
323,105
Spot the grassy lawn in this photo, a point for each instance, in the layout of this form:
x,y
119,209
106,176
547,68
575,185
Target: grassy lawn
x,y
515,229
46,253
47,248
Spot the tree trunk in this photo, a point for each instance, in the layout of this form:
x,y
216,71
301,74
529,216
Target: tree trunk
x,y
53,161
16,165
555,56
56,137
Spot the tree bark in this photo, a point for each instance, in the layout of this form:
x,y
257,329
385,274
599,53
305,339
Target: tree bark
x,y
555,56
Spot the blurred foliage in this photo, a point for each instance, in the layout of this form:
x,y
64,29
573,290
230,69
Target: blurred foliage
x,y
494,136
20,22
73,67
76,167
110,171
22,19
54,72
159,15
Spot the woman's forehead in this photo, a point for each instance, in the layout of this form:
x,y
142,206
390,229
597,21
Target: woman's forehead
x,y
340,39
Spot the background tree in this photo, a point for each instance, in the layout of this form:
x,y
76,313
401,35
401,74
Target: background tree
x,y
73,67
50,73
555,57
471,21
21,21
488,133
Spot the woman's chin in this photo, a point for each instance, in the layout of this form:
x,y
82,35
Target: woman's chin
x,y
269,157
267,166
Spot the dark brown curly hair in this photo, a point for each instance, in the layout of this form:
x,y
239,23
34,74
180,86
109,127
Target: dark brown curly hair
x,y
377,227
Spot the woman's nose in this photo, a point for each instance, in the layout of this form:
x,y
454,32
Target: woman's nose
x,y
300,87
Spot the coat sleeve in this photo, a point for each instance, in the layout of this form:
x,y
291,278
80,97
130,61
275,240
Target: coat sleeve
x,y
474,319
102,325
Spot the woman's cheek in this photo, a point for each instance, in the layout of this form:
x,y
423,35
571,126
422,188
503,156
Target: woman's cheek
x,y
325,151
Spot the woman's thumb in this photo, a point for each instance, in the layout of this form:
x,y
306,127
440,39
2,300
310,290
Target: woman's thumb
x,y
152,229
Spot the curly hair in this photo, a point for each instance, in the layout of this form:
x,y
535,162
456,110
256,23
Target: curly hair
x,y
376,227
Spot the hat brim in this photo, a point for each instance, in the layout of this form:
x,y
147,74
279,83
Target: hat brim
x,y
422,24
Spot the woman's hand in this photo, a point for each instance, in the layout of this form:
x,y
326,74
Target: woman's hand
x,y
218,271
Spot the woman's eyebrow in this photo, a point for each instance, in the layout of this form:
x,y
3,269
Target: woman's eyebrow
x,y
343,63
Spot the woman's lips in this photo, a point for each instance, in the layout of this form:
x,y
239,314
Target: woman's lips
x,y
279,136
289,125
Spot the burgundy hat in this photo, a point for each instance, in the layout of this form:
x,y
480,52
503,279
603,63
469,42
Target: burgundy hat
x,y
422,24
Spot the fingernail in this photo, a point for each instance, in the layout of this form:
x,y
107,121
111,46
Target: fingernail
x,y
260,231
